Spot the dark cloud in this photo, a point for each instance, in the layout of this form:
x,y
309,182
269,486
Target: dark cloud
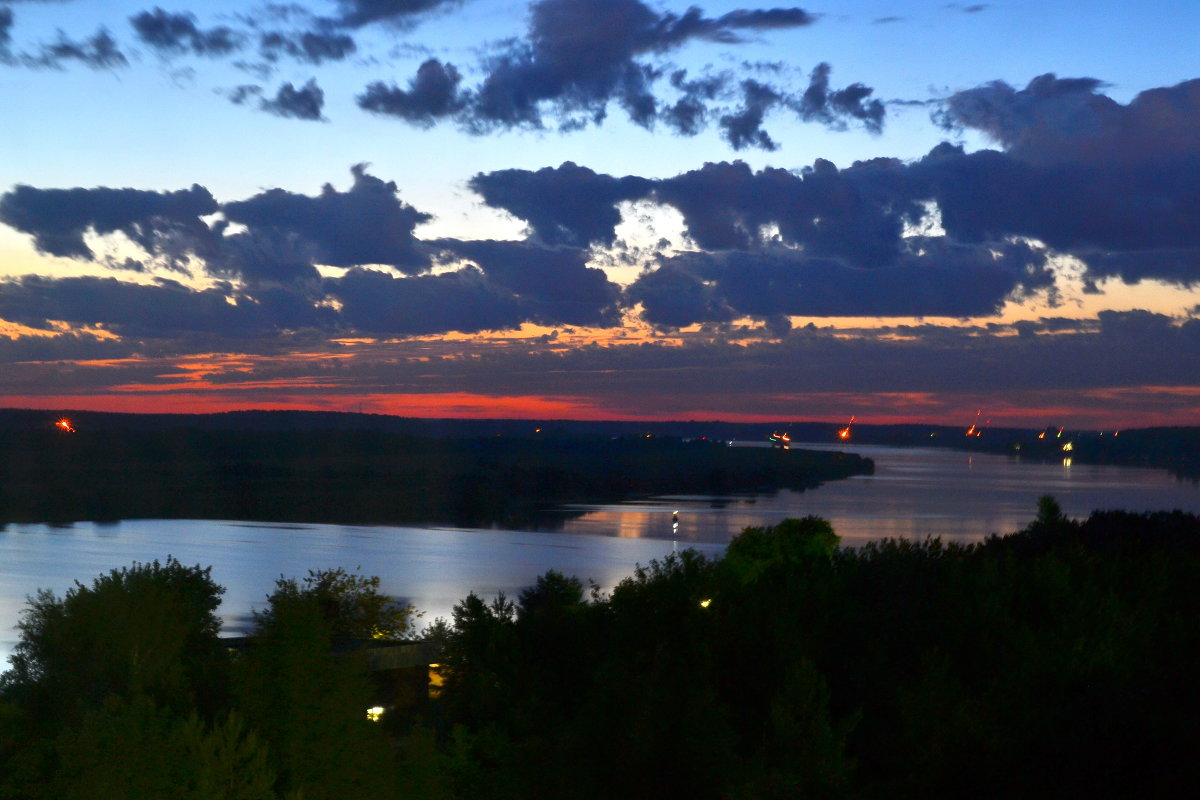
x,y
303,103
465,301
1064,120
99,51
178,33
58,218
856,214
580,56
1114,185
313,47
431,95
568,204
368,224
129,309
356,13
933,278
744,128
673,297
1181,266
819,103
1143,205
554,286
241,95
262,257
6,23
688,114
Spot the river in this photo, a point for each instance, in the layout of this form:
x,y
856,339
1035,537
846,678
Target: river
x,y
915,492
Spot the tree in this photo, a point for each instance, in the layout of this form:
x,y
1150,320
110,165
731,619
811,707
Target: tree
x,y
307,701
788,544
553,594
149,629
133,749
351,605
1050,518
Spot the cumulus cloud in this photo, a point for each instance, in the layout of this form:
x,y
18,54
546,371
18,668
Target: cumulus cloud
x,y
6,23
744,128
303,103
1063,120
463,301
58,218
554,285
933,278
1111,184
178,33
313,47
167,309
431,95
581,56
356,13
833,107
368,224
98,51
568,204
857,214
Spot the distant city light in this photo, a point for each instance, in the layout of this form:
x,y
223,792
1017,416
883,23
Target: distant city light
x,y
375,713
65,425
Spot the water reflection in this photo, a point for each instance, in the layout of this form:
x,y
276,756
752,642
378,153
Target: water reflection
x,y
914,493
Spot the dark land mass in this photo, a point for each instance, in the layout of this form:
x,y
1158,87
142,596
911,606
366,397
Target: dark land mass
x,y
288,467
1056,662
1176,449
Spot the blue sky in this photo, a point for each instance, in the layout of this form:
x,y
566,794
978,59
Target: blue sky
x,y
603,209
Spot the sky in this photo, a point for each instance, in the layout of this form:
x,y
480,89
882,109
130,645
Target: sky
x,y
604,209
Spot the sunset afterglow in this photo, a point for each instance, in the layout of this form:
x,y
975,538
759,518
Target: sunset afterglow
x,y
441,209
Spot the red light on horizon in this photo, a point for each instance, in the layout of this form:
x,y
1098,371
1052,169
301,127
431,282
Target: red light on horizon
x,y
65,425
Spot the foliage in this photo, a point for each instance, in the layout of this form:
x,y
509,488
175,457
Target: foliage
x,y
308,703
132,749
149,629
351,605
1056,661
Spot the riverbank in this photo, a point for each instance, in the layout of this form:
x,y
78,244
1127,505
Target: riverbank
x,y
371,477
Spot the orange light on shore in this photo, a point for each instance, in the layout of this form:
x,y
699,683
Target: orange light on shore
x,y
65,425
844,433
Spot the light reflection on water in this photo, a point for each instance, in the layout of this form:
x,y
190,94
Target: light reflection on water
x,y
914,493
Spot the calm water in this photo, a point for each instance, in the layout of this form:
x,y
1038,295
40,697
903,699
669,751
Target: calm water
x,y
913,493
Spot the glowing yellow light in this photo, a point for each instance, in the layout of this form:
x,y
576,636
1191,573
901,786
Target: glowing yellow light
x,y
437,679
1066,462
706,602
375,713
1068,447
1042,435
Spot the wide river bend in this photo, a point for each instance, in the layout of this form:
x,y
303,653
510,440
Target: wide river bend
x,y
915,492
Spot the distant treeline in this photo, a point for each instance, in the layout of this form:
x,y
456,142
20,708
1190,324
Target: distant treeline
x,y
1055,662
1172,448
354,475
